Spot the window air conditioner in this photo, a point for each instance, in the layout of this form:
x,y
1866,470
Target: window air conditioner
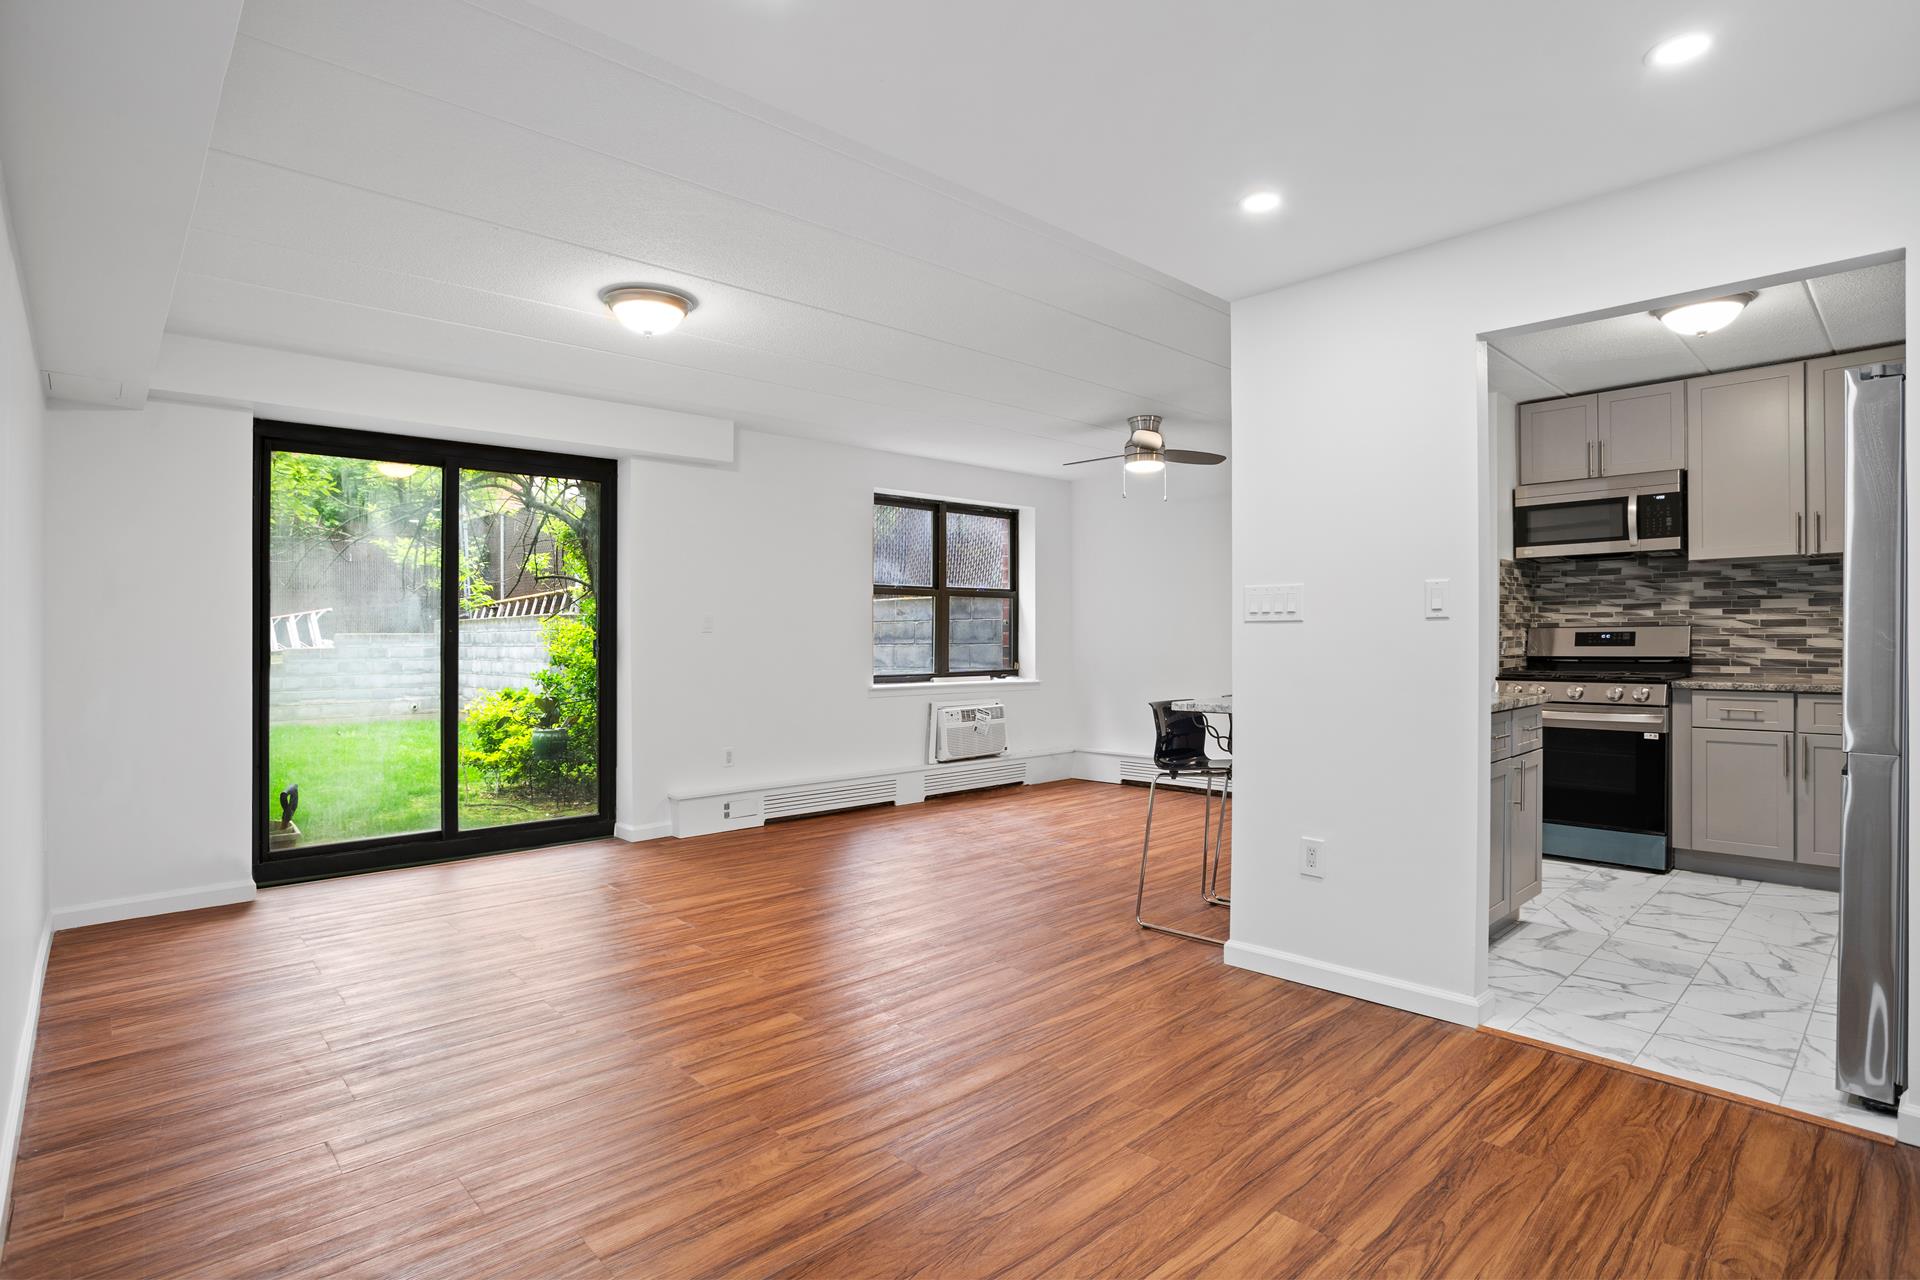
x,y
966,731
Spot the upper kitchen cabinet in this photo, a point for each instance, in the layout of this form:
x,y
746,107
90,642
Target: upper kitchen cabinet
x,y
1641,429
1827,444
1746,463
1559,439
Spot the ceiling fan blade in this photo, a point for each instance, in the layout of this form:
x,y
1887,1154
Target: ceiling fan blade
x,y
1109,458
1195,456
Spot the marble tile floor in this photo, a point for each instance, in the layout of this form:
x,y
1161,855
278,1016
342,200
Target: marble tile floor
x,y
1726,982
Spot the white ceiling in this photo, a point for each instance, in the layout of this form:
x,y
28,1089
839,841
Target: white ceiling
x,y
910,226
1846,311
1138,124
381,175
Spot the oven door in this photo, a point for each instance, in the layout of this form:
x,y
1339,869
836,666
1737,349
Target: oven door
x,y
1588,526
1606,785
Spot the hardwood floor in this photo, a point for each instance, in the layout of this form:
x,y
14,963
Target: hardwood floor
x,y
924,1040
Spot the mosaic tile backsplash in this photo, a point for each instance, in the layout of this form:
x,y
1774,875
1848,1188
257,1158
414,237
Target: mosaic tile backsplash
x,y
1776,616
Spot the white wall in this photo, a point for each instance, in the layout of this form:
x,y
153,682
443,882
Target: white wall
x,y
23,899
778,551
1153,599
1359,393
148,629
148,668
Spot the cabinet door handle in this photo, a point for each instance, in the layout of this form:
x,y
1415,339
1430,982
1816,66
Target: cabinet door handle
x,y
1786,759
1819,530
1799,531
1806,758
1589,459
1603,457
1730,712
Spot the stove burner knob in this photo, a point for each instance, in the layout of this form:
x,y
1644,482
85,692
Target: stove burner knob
x,y
1641,695
1616,693
1577,692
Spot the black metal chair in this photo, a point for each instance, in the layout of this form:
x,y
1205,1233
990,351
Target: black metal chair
x,y
1180,747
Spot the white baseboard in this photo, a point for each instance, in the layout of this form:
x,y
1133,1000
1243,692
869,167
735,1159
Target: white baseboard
x,y
635,832
1095,765
152,904
16,1100
1395,993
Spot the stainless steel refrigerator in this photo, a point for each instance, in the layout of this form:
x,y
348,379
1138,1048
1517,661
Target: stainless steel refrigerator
x,y
1871,1062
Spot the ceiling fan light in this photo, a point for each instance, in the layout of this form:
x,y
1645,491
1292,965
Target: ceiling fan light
x,y
1698,319
648,311
1145,465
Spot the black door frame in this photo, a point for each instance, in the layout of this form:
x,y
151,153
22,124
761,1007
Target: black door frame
x,y
449,842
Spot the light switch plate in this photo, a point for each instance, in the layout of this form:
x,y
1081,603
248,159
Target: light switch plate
x,y
1436,597
1275,602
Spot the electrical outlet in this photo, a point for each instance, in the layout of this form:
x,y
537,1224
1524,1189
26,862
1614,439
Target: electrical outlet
x,y
1313,850
726,758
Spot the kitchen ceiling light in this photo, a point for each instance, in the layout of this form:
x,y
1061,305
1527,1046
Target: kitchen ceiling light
x,y
1260,202
1698,319
647,310
1680,50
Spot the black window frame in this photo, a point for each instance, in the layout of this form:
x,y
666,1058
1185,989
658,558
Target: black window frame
x,y
941,593
449,842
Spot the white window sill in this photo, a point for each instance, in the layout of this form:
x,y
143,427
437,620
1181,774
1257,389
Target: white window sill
x,y
945,686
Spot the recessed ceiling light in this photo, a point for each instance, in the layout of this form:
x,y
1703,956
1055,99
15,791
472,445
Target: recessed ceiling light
x,y
647,309
1698,319
1680,50
1260,202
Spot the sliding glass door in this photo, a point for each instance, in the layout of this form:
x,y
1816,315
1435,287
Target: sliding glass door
x,y
428,674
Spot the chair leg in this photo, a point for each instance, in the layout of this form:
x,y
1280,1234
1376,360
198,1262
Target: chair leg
x,y
1140,894
1206,834
1220,834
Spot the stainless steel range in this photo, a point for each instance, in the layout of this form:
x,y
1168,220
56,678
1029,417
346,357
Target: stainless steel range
x,y
1608,736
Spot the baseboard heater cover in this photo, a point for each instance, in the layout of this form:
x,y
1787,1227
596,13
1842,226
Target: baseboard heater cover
x,y
826,797
972,777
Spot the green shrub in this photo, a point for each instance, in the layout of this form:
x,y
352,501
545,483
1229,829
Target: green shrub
x,y
499,735
571,687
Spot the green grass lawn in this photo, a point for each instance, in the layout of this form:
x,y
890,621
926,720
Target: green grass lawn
x,y
364,778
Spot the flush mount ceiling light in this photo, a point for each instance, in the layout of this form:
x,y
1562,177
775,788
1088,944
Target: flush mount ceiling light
x,y
1698,319
1680,50
647,309
1260,202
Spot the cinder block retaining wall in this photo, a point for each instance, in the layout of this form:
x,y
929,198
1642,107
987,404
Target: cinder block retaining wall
x,y
370,676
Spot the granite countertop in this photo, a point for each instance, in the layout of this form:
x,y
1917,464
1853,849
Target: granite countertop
x,y
1762,683
1514,701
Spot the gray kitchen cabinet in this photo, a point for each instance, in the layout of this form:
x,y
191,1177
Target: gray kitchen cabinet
x,y
1513,833
1742,792
1641,429
1827,445
1746,463
1559,439
1499,804
1817,837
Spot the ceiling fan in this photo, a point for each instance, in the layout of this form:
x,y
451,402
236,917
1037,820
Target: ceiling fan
x,y
1146,452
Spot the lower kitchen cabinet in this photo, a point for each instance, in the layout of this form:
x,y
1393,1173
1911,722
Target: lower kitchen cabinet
x,y
1818,802
1743,793
1762,792
1513,834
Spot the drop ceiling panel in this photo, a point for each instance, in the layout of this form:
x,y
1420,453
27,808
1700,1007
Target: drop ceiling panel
x,y
1864,308
1856,309
1614,352
1779,324
1514,380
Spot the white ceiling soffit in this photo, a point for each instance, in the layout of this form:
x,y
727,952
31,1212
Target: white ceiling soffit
x,y
440,186
105,111
1847,311
1139,124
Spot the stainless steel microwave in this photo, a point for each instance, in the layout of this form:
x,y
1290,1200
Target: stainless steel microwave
x,y
1609,516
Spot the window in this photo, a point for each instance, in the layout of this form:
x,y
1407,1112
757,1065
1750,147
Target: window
x,y
404,714
945,600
